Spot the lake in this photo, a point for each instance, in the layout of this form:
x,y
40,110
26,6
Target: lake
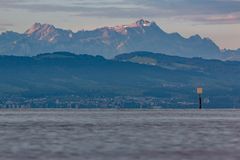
x,y
119,134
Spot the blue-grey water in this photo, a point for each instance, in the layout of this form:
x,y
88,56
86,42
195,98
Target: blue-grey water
x,y
119,134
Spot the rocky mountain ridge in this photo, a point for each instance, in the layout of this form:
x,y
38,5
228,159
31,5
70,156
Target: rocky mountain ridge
x,y
142,35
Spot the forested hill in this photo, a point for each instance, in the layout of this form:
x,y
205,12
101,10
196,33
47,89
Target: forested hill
x,y
140,74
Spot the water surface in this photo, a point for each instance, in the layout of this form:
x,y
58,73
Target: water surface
x,y
119,135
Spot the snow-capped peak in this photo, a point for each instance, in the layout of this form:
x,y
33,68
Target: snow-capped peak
x,y
138,24
45,32
38,27
144,23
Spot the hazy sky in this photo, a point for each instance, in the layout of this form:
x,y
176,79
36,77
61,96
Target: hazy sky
x,y
216,19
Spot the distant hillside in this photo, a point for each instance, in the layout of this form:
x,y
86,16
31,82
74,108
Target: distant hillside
x,y
142,35
162,76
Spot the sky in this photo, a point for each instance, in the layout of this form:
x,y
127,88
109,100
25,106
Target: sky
x,y
215,19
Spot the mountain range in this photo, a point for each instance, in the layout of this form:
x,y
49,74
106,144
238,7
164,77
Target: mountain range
x,y
142,35
173,80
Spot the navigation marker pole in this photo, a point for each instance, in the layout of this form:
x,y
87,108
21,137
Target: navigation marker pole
x,y
200,92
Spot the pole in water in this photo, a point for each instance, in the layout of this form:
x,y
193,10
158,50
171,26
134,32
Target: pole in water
x,y
200,101
200,92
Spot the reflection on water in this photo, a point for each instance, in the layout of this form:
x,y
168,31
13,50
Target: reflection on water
x,y
120,135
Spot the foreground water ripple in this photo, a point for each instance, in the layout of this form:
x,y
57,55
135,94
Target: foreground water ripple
x,y
119,134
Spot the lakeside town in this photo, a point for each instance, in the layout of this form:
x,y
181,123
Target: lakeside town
x,y
98,102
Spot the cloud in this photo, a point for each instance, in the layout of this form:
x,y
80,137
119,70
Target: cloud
x,y
4,26
193,6
205,11
220,19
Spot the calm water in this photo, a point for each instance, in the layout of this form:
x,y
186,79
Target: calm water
x,y
119,135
